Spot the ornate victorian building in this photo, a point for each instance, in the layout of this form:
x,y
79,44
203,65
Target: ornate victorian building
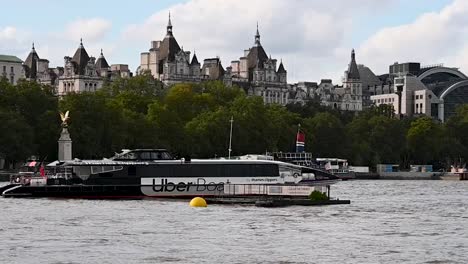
x,y
350,95
169,63
259,74
82,73
37,69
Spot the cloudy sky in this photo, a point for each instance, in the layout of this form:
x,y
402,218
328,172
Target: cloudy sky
x,y
312,37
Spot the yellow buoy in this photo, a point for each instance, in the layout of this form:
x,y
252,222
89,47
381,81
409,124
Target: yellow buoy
x,y
198,202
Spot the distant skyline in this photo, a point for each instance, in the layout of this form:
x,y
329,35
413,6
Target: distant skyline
x,y
314,38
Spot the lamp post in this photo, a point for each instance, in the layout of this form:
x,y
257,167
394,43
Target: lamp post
x,y
230,137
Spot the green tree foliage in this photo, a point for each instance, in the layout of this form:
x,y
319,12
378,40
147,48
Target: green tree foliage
x,y
193,119
424,140
29,121
325,135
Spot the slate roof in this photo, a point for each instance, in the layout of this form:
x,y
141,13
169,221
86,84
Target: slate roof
x,y
30,64
10,58
353,71
194,59
281,68
169,48
256,55
80,59
101,62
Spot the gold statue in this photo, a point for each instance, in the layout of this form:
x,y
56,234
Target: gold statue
x,y
65,117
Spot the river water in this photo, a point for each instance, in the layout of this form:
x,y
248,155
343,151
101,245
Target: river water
x,y
387,222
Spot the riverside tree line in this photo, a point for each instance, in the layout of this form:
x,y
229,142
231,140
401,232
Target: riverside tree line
x,y
193,120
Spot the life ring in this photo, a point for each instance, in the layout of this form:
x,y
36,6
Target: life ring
x,y
17,179
295,175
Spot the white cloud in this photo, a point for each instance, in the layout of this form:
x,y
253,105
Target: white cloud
x,y
305,34
55,45
91,29
13,41
438,37
8,33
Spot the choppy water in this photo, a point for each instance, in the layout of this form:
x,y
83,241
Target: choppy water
x,y
387,222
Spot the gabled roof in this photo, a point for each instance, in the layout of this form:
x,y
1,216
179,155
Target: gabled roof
x,y
80,59
353,71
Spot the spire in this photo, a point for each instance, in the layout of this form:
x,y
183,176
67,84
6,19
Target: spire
x,y
169,25
101,62
81,59
194,59
353,71
257,37
281,67
30,64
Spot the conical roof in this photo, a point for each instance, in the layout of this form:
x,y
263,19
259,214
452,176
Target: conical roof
x,y
353,71
281,68
30,64
101,62
81,59
194,59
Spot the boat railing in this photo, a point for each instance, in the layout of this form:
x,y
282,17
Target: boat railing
x,y
266,189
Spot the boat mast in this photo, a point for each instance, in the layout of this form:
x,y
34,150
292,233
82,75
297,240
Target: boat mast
x,y
230,138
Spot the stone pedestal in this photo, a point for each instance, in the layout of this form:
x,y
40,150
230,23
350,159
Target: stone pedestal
x,y
64,145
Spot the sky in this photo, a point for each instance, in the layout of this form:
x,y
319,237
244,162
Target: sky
x,y
313,38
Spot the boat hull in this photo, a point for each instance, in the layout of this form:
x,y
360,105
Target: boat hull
x,y
162,191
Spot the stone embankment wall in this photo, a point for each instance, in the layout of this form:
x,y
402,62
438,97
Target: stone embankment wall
x,y
407,175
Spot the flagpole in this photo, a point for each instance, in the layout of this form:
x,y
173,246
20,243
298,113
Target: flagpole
x,y
230,137
298,130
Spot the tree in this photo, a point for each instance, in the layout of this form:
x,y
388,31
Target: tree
x,y
325,135
456,139
16,137
424,140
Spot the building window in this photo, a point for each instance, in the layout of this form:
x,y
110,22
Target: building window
x,y
12,69
421,108
12,80
416,109
4,68
421,97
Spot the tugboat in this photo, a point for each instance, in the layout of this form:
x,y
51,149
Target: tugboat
x,y
155,173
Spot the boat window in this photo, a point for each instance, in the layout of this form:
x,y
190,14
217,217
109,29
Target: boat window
x,y
82,171
156,156
104,169
127,156
166,155
145,155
